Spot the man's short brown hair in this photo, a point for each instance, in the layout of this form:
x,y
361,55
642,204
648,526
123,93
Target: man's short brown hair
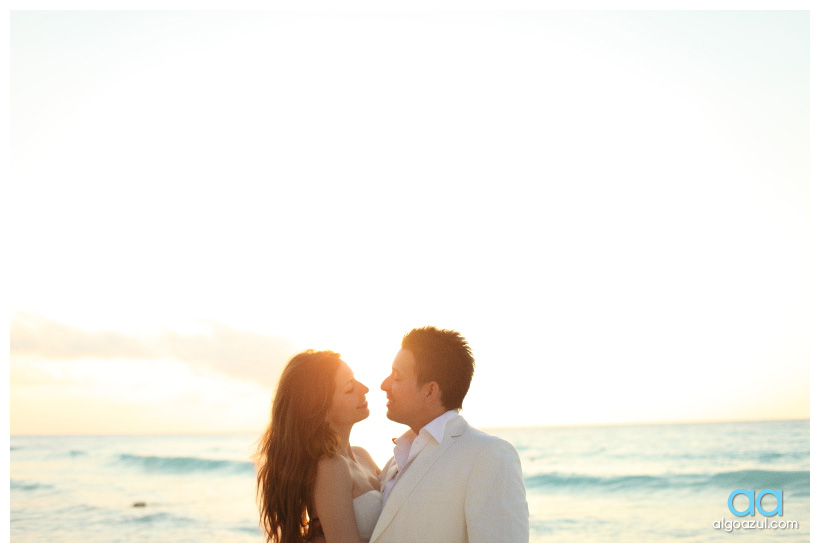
x,y
442,356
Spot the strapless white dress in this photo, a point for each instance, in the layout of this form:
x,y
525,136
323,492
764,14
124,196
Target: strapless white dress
x,y
367,508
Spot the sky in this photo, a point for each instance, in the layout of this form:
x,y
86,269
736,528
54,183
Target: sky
x,y
612,207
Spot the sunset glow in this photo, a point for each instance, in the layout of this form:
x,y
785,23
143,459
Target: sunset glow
x,y
617,224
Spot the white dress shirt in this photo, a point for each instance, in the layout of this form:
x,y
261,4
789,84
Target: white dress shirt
x,y
410,444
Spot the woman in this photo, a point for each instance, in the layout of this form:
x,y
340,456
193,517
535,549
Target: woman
x,y
308,472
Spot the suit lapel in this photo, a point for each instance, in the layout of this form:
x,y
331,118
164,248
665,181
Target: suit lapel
x,y
414,472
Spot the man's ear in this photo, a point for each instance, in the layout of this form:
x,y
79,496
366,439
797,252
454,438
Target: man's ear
x,y
433,390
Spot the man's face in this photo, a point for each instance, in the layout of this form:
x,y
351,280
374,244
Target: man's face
x,y
405,398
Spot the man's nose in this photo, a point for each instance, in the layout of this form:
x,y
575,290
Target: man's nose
x,y
384,385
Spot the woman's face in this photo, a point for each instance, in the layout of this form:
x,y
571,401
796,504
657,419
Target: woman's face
x,y
349,405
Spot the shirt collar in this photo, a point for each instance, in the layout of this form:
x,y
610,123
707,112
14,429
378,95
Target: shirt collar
x,y
436,426
434,429
409,444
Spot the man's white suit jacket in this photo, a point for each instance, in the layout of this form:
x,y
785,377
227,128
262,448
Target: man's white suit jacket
x,y
469,488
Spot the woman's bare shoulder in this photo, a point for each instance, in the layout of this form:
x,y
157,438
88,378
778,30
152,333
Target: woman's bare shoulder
x,y
333,476
335,466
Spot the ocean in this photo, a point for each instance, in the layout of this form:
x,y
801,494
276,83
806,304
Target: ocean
x,y
604,484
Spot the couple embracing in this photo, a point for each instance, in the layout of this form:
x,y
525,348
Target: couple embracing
x,y
446,482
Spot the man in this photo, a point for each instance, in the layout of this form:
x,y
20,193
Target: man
x,y
447,482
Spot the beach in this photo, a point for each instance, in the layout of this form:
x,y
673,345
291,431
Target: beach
x,y
605,484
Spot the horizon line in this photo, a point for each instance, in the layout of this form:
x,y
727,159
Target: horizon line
x,y
483,427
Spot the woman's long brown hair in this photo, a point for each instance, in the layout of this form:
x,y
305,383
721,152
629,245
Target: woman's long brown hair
x,y
296,438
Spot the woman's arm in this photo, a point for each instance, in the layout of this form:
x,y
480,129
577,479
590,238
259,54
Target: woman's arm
x,y
333,499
